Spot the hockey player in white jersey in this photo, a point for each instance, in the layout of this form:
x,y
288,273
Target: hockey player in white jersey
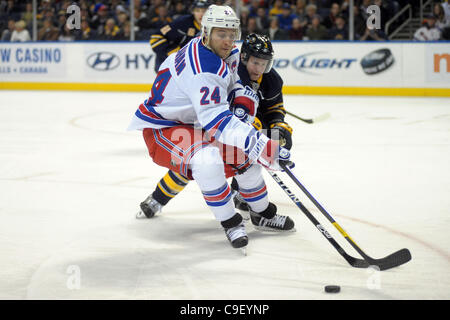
x,y
188,126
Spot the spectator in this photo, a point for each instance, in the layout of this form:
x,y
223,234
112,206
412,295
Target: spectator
x,y
67,34
252,27
428,32
142,22
244,15
296,33
84,12
363,9
61,20
86,32
262,20
316,31
45,5
48,13
446,7
253,8
300,9
446,32
154,8
285,19
48,32
373,35
339,31
27,16
277,8
122,18
120,11
99,19
274,32
110,31
311,11
7,33
359,24
329,20
161,19
11,10
345,5
179,10
125,32
439,13
20,34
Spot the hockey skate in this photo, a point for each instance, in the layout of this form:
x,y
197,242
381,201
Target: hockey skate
x,y
262,222
237,237
149,207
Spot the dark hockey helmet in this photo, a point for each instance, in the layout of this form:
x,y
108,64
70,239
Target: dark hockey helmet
x,y
200,4
257,46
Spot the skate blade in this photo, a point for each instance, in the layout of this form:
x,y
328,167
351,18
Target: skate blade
x,y
141,215
244,250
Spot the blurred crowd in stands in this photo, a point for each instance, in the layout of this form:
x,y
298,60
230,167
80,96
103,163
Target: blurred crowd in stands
x,y
279,19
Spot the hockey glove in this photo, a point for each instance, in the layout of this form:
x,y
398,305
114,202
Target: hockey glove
x,y
267,152
244,102
282,131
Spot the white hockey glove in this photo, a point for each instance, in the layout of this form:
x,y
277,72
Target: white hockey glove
x,y
244,103
267,152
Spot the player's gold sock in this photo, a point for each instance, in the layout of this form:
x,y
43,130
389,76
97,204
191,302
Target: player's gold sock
x,y
169,186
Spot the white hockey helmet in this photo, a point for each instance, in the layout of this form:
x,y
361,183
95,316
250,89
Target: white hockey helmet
x,y
219,17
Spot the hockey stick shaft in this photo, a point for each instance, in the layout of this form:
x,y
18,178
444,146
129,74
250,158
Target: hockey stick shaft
x,y
299,118
313,120
397,258
354,262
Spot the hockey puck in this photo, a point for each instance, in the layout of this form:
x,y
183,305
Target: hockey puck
x,y
377,61
332,289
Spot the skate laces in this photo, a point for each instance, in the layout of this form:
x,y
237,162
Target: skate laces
x,y
276,221
236,232
154,205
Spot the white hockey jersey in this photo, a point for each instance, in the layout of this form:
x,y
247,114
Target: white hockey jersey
x,y
191,88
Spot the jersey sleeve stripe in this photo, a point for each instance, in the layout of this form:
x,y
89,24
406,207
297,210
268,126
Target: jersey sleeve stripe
x,y
225,73
151,116
196,59
222,68
218,119
191,60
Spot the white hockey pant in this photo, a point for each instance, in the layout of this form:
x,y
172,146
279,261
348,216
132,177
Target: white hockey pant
x,y
208,171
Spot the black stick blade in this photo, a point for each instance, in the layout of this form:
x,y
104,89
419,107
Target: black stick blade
x,y
393,260
358,263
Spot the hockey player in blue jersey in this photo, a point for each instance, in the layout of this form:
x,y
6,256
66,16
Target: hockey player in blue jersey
x,y
173,36
187,121
255,71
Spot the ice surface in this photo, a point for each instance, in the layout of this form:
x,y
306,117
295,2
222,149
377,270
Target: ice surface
x,y
72,178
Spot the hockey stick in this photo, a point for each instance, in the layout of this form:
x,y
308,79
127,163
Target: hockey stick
x,y
393,260
354,262
313,120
